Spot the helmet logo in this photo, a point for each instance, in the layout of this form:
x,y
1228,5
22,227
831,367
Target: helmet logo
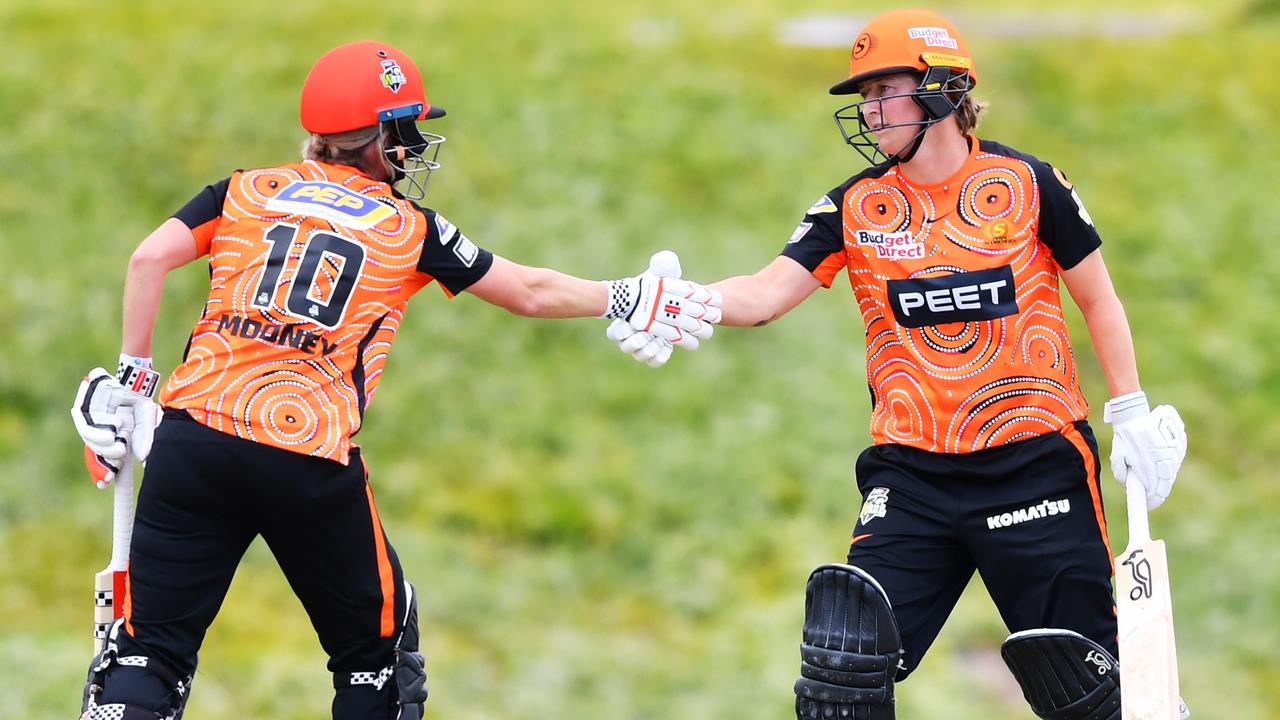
x,y
862,46
392,76
933,37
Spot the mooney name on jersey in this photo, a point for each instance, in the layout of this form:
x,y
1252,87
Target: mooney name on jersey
x,y
311,266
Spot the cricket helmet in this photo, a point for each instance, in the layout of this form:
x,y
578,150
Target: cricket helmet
x,y
915,41
363,84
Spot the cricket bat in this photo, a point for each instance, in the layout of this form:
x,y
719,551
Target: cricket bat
x,y
1148,657
109,584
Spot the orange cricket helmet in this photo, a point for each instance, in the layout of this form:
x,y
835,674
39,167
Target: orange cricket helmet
x,y
919,42
912,40
361,84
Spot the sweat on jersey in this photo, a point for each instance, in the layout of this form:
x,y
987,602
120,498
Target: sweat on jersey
x,y
311,266
957,285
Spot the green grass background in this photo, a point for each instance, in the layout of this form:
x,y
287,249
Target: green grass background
x,y
592,538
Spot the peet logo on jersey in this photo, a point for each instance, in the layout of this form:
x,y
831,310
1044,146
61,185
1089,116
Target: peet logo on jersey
x,y
979,295
1043,509
332,202
891,246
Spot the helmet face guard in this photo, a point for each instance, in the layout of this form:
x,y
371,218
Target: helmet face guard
x,y
410,152
939,94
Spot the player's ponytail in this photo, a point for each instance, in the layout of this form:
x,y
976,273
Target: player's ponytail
x,y
340,148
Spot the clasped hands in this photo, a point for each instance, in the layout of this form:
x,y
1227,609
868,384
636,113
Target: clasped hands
x,y
657,311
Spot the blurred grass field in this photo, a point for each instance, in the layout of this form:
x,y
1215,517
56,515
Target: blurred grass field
x,y
592,538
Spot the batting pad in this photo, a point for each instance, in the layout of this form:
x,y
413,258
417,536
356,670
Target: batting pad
x,y
851,647
1064,675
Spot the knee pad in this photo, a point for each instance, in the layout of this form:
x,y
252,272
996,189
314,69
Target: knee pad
x,y
406,675
132,687
851,647
1064,675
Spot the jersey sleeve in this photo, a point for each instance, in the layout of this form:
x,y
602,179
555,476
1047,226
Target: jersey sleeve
x,y
1065,225
202,213
818,241
449,257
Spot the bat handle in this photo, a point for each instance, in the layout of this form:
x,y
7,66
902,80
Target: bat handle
x,y
122,510
1139,527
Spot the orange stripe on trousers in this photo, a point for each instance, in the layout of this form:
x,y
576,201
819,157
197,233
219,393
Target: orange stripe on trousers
x,y
1091,479
386,577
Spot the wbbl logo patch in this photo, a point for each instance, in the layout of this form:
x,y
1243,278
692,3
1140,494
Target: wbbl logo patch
x,y
392,76
876,505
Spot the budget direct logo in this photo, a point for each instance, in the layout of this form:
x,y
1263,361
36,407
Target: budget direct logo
x,y
933,37
891,246
332,202
959,297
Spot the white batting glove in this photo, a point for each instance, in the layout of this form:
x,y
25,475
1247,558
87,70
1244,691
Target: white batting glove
x,y
1151,444
98,418
675,310
645,348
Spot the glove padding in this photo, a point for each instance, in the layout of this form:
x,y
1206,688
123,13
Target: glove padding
x,y
645,348
659,303
1150,444
114,420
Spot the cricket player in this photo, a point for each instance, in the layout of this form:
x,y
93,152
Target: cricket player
x,y
982,456
311,267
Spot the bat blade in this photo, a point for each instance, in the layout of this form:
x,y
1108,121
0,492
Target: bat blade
x,y
109,584
1148,655
108,598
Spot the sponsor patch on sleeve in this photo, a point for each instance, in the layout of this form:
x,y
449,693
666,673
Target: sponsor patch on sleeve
x,y
824,205
801,230
465,250
445,228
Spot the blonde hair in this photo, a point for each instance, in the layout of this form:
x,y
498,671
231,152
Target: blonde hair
x,y
340,148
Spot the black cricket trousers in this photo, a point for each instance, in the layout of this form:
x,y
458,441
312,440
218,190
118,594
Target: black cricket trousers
x,y
1028,517
205,496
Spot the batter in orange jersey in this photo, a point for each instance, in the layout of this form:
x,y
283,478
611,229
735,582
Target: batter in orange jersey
x,y
957,283
311,267
982,459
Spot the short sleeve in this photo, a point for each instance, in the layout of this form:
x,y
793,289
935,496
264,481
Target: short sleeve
x,y
1065,225
818,241
202,213
449,257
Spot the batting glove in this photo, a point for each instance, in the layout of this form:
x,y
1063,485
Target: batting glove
x,y
97,415
1150,444
666,307
645,348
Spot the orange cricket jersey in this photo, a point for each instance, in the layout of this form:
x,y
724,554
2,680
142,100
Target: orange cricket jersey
x,y
957,285
311,266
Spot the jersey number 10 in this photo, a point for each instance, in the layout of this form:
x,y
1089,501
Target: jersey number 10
x,y
337,257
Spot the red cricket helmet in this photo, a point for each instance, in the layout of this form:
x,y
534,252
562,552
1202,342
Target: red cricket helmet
x,y
361,84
